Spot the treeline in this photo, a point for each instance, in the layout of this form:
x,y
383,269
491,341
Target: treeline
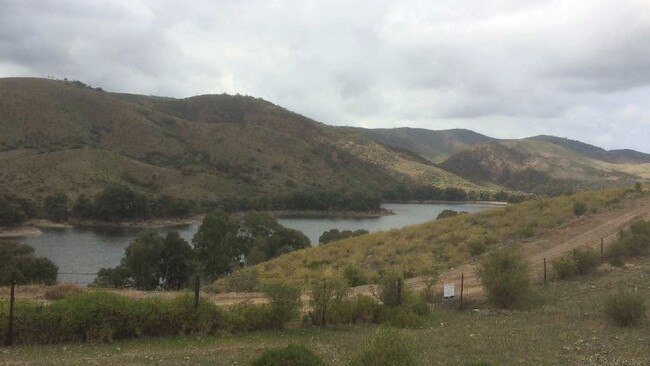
x,y
19,260
405,192
220,245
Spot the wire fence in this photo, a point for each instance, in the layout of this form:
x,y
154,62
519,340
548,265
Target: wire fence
x,y
456,290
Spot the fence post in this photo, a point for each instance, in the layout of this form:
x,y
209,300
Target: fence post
x,y
399,291
462,287
602,258
322,315
544,271
10,328
197,287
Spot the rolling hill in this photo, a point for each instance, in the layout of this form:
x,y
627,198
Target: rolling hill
x,y
66,136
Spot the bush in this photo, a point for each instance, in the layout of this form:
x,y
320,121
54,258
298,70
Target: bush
x,y
56,207
390,291
579,208
243,280
625,308
357,309
446,213
565,267
291,355
400,317
586,260
633,242
284,303
354,275
63,291
505,274
386,348
326,295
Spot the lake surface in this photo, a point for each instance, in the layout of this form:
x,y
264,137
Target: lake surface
x,y
81,252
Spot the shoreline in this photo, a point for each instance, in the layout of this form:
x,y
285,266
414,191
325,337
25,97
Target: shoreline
x,y
442,202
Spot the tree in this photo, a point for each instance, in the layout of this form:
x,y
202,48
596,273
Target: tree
x,y
217,245
151,262
13,211
56,207
19,258
286,240
119,203
83,207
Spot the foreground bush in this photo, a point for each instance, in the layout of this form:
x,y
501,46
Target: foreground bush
x,y
386,348
625,308
586,259
62,291
291,355
102,316
564,267
505,274
634,242
284,303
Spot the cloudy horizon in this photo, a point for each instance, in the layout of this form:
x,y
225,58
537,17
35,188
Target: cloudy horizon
x,y
507,69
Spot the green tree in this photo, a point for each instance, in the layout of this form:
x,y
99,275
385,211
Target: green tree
x,y
56,207
151,262
19,258
83,207
217,245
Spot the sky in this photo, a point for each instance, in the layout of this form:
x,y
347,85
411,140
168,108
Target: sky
x,y
508,69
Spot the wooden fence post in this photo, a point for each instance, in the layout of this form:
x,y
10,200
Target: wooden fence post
x,y
602,257
462,287
399,291
197,288
12,298
544,271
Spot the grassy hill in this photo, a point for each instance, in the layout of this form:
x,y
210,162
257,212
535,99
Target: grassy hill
x,y
435,146
437,244
65,136
538,166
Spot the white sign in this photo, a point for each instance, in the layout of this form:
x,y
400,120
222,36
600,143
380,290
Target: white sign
x,y
448,291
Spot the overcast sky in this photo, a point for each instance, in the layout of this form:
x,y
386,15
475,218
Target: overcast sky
x,y
577,69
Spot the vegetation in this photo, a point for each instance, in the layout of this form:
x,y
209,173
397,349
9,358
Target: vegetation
x,y
152,262
579,208
14,210
438,244
56,207
625,308
284,303
634,242
570,329
505,275
386,348
19,259
447,213
291,355
335,234
582,261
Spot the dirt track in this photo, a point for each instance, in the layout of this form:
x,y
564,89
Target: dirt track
x,y
580,232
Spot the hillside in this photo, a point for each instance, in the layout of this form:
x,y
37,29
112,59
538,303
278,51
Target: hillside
x,y
441,244
538,166
435,146
65,136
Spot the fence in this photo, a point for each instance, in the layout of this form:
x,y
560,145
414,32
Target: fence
x,y
468,285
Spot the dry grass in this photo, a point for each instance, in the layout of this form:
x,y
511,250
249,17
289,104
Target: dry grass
x,y
438,244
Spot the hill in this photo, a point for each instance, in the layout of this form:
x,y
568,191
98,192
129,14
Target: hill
x,y
66,136
536,166
444,243
435,146
62,136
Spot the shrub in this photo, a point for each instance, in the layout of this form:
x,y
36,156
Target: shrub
x,y
505,274
579,208
354,275
625,308
62,291
291,355
246,316
325,295
446,213
357,309
386,348
56,207
565,267
586,260
400,317
284,303
477,247
391,292
243,280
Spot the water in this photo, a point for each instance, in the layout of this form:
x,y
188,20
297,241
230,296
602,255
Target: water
x,y
81,252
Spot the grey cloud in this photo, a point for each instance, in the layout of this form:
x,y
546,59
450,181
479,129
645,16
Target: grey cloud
x,y
567,67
